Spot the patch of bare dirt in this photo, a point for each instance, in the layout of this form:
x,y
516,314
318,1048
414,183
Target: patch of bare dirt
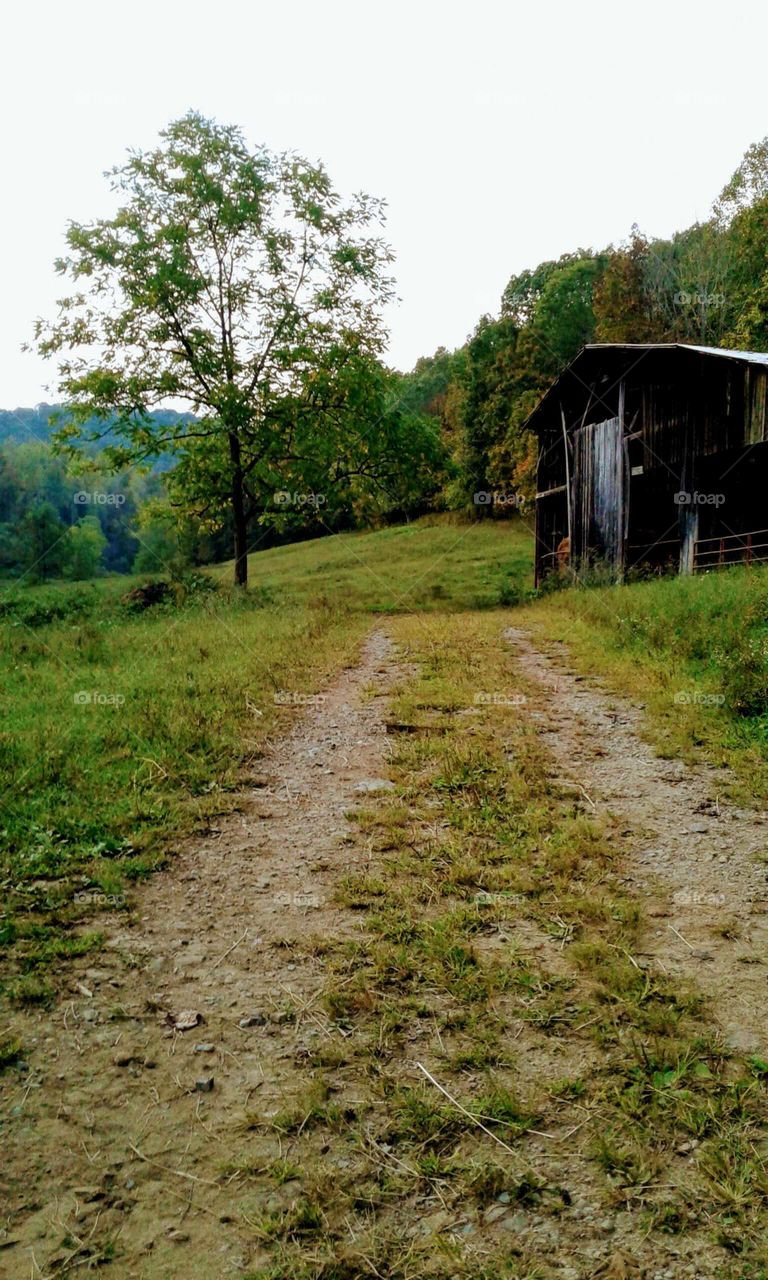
x,y
696,859
140,1083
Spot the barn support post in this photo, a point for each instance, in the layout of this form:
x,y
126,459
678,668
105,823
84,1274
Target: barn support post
x,y
537,566
689,533
625,489
688,513
567,484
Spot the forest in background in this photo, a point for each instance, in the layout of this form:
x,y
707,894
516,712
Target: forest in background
x,y
62,515
706,285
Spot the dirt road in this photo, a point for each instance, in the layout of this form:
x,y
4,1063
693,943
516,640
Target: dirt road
x,y
136,1135
699,864
116,1137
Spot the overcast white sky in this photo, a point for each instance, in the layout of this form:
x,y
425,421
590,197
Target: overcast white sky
x,y
500,133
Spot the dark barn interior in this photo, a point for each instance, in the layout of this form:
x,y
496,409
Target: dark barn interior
x,y
653,457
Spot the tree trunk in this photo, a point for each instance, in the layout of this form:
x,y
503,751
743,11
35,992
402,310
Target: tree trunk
x,y
238,513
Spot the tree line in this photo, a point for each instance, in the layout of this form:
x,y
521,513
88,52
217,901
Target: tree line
x,y
240,284
706,285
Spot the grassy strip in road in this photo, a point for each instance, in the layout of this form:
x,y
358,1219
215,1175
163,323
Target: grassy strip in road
x,y
500,954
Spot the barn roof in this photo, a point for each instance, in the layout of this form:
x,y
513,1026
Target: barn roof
x,y
757,357
616,354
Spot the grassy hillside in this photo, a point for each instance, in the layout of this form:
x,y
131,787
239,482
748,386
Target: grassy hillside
x,y
121,730
433,563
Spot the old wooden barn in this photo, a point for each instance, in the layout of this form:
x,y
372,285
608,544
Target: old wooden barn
x,y
653,455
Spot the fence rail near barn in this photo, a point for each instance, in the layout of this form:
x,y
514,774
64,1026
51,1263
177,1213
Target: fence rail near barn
x,y
734,548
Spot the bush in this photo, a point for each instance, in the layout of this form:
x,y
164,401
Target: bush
x,y
42,606
156,591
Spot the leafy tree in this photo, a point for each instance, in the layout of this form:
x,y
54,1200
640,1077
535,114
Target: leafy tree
x,y
747,187
485,405
519,299
237,281
85,544
42,543
563,318
623,303
741,211
162,546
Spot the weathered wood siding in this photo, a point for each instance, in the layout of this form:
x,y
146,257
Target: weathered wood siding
x,y
598,492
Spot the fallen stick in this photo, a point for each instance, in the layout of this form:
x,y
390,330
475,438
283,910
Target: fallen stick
x,y
464,1111
680,936
179,1173
230,949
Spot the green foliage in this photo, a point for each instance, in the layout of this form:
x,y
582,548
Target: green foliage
x,y
163,546
42,542
85,544
237,281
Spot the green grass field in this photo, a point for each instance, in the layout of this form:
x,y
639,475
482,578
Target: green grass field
x,y
435,563
123,731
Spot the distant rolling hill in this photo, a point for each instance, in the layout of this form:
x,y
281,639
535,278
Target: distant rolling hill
x,y
23,425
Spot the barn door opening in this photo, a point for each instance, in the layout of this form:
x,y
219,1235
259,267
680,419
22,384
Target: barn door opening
x,y
599,516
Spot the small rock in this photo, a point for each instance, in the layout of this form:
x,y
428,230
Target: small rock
x,y
204,1084
374,784
185,1020
253,1020
513,1222
204,1048
686,1148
